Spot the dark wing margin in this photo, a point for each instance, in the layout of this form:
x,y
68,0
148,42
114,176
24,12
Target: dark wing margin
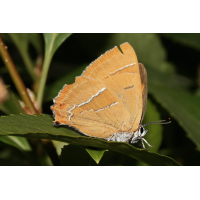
x,y
143,75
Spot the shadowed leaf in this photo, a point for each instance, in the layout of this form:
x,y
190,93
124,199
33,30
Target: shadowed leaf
x,y
40,126
74,155
147,46
183,106
4,162
154,135
191,40
36,41
21,40
11,105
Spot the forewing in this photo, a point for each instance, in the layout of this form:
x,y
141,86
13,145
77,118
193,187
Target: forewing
x,y
120,72
91,108
112,62
107,98
127,87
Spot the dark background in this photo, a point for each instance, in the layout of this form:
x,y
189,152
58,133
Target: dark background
x,y
176,56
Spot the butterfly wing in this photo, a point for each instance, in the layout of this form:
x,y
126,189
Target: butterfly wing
x,y
143,76
120,72
90,107
106,98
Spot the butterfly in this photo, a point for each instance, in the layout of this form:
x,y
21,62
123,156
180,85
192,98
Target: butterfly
x,y
108,100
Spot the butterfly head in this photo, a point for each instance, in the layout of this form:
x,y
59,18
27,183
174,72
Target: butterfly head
x,y
141,132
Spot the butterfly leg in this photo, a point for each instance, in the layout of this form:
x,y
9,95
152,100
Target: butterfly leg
x,y
113,135
143,144
146,142
134,141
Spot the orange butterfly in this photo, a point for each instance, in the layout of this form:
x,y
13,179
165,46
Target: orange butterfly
x,y
108,100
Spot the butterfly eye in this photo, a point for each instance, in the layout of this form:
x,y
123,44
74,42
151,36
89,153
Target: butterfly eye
x,y
56,123
141,129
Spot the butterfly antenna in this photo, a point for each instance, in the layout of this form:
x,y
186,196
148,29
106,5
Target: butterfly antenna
x,y
158,122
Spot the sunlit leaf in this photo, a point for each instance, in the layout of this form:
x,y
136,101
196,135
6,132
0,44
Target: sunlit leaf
x,y
18,142
96,154
53,41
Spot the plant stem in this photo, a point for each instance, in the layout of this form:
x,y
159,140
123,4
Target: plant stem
x,y
45,69
16,77
42,83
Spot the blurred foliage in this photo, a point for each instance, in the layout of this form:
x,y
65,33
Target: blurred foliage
x,y
172,62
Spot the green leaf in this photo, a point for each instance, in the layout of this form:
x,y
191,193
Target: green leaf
x,y
52,42
16,102
96,154
21,144
154,135
58,145
21,40
171,80
8,107
40,126
183,106
36,41
191,40
18,142
11,105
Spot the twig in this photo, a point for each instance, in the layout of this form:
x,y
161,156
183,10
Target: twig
x,y
16,77
42,82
